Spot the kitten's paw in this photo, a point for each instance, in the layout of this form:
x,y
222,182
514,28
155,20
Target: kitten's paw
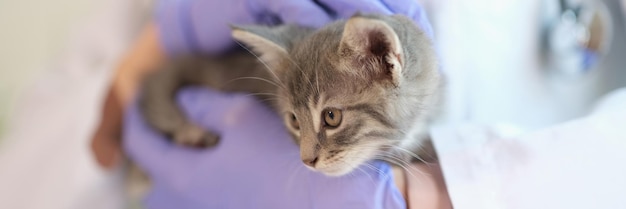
x,y
194,136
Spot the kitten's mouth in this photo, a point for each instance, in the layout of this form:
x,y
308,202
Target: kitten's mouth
x,y
335,170
342,163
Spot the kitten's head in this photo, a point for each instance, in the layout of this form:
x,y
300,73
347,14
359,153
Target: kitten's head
x,y
351,91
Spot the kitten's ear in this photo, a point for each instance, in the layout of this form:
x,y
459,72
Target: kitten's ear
x,y
373,46
265,42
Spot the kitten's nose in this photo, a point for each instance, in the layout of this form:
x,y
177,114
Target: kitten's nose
x,y
310,162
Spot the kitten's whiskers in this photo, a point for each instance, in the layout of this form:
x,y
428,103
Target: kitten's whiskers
x,y
253,78
397,162
365,172
269,94
263,62
398,148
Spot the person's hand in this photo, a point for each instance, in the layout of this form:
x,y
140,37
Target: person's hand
x,y
255,165
203,25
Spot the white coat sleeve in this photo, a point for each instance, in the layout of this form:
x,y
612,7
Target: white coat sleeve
x,y
578,164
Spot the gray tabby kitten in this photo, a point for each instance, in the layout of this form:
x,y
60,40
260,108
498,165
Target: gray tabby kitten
x,y
352,91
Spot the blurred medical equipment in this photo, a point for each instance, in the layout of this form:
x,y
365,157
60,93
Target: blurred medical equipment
x,y
577,36
502,67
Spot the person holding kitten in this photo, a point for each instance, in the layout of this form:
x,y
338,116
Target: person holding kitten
x,y
251,167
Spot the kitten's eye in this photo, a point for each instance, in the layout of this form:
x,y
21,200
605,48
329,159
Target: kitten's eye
x,y
332,117
294,121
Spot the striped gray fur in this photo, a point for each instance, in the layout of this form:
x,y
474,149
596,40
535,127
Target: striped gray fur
x,y
379,72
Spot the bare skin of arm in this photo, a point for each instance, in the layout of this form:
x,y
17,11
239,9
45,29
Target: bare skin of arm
x,y
146,53
423,186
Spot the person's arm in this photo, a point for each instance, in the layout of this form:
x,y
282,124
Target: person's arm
x,y
425,187
143,56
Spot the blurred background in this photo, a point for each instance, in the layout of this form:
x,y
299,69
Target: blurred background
x,y
523,64
529,64
34,33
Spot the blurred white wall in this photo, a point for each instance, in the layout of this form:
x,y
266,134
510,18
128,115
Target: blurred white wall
x,y
32,34
45,157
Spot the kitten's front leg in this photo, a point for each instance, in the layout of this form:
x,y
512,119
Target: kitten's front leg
x,y
419,148
161,111
195,136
